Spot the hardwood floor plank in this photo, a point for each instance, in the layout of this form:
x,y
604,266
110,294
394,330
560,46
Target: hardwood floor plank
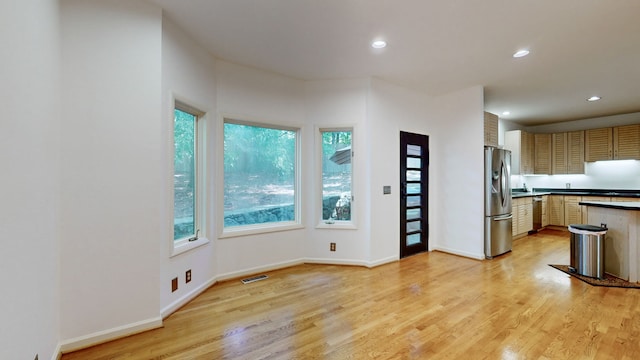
x,y
431,305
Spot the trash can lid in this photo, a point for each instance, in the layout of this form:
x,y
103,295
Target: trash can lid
x,y
587,229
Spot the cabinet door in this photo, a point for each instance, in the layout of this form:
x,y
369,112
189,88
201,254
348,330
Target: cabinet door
x,y
559,153
572,213
527,153
514,213
598,144
528,217
490,129
522,219
626,142
575,152
545,213
542,154
556,210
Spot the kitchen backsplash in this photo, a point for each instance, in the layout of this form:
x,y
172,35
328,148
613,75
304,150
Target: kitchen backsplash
x,y
618,174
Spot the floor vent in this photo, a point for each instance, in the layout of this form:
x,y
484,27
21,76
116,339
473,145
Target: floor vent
x,y
254,279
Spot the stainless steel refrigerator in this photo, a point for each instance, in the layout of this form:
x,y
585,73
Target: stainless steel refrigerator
x,y
497,202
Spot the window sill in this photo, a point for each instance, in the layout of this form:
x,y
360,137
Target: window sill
x,y
337,226
258,229
188,245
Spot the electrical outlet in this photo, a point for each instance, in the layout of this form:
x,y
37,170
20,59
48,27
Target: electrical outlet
x,y
332,247
187,276
174,284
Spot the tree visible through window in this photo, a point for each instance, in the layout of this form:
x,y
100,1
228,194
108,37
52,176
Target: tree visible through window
x,y
184,177
259,174
336,175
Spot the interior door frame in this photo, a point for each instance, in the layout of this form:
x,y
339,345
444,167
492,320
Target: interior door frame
x,y
407,138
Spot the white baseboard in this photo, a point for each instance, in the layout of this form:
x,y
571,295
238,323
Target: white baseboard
x,y
100,337
460,253
259,269
57,354
350,262
171,308
387,260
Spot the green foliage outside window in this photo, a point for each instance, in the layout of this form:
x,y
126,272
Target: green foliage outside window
x,y
259,174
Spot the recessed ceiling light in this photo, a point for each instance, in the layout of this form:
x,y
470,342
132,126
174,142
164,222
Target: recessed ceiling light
x,y
594,98
521,53
378,44
506,112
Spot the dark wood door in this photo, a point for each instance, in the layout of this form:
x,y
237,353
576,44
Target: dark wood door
x,y
414,174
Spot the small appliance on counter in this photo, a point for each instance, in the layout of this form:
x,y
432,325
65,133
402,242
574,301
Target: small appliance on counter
x,y
498,238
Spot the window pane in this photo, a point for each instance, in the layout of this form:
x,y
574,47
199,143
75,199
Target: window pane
x,y
413,175
414,163
413,188
414,150
413,214
259,175
336,175
413,200
413,226
413,239
184,177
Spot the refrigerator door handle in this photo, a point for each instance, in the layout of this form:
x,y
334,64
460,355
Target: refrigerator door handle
x,y
503,183
506,217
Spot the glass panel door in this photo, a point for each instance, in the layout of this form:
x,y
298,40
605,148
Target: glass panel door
x,y
414,160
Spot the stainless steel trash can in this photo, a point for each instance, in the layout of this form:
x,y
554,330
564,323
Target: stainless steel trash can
x,y
587,250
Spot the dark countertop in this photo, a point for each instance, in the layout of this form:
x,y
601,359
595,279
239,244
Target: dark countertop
x,y
621,205
518,193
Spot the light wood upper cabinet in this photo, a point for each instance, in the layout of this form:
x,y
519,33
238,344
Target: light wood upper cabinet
x,y
521,145
575,152
598,144
490,129
542,154
626,142
567,153
619,143
559,153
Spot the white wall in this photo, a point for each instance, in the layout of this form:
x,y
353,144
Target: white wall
x,y
458,164
188,75
112,178
337,103
393,109
250,94
29,159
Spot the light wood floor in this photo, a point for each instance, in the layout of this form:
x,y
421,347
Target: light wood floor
x,y
429,306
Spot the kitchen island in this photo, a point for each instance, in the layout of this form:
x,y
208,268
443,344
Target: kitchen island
x,y
621,250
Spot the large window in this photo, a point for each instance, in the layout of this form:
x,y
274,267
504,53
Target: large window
x,y
185,176
336,175
260,175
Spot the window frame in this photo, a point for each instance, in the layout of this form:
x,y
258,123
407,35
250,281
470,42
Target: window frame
x,y
184,244
336,224
262,228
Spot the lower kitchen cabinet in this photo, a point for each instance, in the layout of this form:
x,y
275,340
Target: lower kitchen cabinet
x,y
556,210
572,211
545,213
522,210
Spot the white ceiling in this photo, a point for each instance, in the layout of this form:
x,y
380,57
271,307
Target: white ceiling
x,y
578,48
